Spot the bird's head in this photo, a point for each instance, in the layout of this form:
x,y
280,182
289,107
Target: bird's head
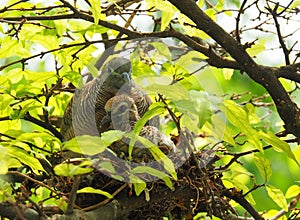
x,y
117,73
121,114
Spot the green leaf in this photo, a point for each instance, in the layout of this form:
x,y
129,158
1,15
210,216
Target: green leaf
x,y
239,118
159,156
277,196
170,91
257,48
141,69
74,77
204,105
190,28
34,77
91,145
111,136
106,166
153,172
93,70
33,137
25,158
166,17
221,130
96,10
10,47
68,169
278,144
156,108
295,4
93,190
264,167
162,49
139,185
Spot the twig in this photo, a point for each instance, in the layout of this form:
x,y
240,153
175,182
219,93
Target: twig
x,y
274,14
45,125
238,155
35,181
72,196
25,142
237,29
64,46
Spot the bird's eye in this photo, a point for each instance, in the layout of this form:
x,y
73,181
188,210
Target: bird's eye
x,y
122,108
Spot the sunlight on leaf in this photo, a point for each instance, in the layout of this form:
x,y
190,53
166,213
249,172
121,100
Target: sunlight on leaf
x,y
277,197
292,191
227,73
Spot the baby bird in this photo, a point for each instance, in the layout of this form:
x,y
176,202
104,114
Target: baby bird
x,y
122,114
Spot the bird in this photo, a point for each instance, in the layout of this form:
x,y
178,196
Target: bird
x,y
86,110
122,114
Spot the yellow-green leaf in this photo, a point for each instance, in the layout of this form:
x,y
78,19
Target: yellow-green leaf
x,y
227,73
67,169
91,145
166,17
96,10
156,108
25,158
277,196
239,118
153,172
264,167
278,144
93,190
257,48
159,156
139,185
292,191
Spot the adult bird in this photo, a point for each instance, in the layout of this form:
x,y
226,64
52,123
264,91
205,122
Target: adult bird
x,y
122,114
86,108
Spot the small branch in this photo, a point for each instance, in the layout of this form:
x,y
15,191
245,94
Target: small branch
x,y
291,72
14,4
274,14
238,155
25,142
45,125
35,181
237,28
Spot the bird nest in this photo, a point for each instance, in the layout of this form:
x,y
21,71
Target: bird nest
x,y
195,190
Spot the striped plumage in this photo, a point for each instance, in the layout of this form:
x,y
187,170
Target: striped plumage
x,y
122,114
86,108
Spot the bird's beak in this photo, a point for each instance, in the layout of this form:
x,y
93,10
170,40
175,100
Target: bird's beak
x,y
126,76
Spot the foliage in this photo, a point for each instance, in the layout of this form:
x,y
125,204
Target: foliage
x,y
229,95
